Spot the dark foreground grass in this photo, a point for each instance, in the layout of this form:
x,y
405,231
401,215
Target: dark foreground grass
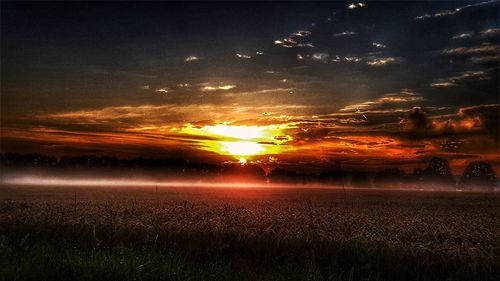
x,y
247,235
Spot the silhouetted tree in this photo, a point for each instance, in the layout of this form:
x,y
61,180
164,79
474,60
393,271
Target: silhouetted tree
x,y
438,172
279,175
338,177
390,177
360,179
416,178
478,175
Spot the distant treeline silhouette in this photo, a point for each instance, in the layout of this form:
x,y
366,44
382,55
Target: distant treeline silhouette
x,y
478,175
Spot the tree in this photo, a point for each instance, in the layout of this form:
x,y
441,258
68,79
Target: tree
x,y
390,177
360,179
438,172
279,175
478,175
337,177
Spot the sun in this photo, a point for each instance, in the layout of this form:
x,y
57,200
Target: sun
x,y
241,140
242,148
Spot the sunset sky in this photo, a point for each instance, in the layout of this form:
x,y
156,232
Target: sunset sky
x,y
299,85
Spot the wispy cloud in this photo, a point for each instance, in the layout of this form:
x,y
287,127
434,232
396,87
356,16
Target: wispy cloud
x,y
320,57
485,59
301,33
295,40
216,88
305,45
344,33
243,56
459,79
463,35
485,48
349,59
352,6
403,99
379,62
454,11
378,45
183,85
163,90
264,91
191,58
490,32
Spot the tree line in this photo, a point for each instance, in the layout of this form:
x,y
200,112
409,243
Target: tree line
x,y
478,175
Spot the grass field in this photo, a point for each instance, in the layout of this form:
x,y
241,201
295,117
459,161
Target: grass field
x,y
118,233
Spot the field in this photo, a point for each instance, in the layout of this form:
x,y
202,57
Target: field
x,y
119,233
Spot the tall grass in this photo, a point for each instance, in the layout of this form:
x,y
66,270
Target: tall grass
x,y
247,234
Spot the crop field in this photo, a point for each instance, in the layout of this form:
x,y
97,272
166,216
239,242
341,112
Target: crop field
x,y
120,233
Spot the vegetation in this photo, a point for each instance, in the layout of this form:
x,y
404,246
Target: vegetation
x,y
247,234
437,175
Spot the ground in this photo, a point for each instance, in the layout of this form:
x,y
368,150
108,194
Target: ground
x,y
130,233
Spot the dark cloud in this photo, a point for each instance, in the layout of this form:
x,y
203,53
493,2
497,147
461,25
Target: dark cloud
x,y
417,123
488,117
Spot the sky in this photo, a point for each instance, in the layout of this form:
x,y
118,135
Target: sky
x,y
303,85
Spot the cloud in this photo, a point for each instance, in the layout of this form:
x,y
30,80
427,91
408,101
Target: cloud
x,y
320,57
378,62
485,59
305,45
301,33
442,84
463,35
481,119
191,58
460,79
353,6
146,87
163,90
216,88
485,48
293,40
266,91
488,115
490,32
455,11
417,122
344,33
378,45
403,99
349,59
285,43
166,116
243,56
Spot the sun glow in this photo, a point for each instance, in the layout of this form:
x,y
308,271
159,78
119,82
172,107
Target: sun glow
x,y
241,140
243,161
242,148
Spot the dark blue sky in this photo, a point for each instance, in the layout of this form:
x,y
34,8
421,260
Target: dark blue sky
x,y
358,68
